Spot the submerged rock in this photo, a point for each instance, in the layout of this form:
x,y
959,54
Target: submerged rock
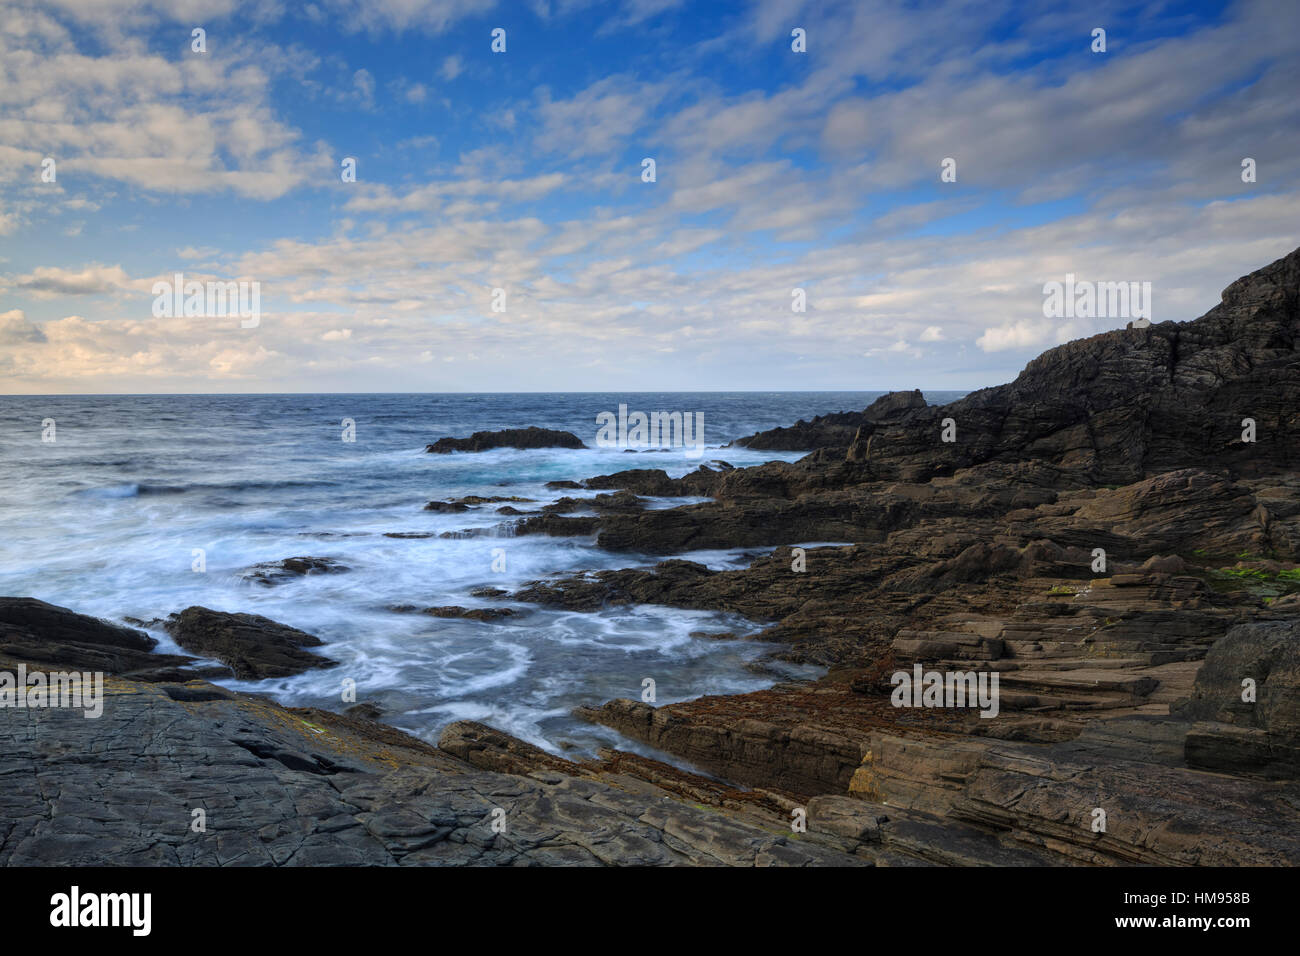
x,y
473,614
278,572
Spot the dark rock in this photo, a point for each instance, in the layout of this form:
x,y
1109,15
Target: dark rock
x,y
1124,404
459,505
531,437
254,647
473,614
366,710
641,481
278,572
446,507
836,431
59,639
620,502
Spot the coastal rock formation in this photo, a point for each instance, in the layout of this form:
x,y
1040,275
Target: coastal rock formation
x,y
838,431
531,437
1098,538
1124,404
254,647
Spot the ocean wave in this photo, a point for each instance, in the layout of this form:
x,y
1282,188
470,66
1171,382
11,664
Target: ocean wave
x,y
135,489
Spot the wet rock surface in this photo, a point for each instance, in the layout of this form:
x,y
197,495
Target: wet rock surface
x,y
252,646
279,572
58,639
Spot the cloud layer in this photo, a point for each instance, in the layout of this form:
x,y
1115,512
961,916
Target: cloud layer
x,y
515,180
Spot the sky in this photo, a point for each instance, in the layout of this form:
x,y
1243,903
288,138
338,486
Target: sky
x,y
503,233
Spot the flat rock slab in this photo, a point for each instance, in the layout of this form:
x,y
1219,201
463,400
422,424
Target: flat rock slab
x,y
295,788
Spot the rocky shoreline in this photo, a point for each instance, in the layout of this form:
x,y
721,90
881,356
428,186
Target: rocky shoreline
x,y
1105,540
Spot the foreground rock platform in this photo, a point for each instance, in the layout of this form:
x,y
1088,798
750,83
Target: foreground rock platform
x,y
281,787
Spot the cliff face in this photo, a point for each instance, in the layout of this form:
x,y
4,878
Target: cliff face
x,y
1124,404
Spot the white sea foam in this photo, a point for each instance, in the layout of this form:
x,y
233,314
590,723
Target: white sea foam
x,y
106,521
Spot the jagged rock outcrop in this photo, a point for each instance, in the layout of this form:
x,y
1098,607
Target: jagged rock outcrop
x,y
1132,402
836,431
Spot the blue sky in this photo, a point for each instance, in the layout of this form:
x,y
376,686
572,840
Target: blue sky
x,y
521,171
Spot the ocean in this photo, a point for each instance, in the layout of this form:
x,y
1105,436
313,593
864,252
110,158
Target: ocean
x,y
106,519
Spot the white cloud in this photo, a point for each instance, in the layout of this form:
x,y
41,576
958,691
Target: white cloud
x,y
759,192
184,123
451,68
16,330
48,281
1015,335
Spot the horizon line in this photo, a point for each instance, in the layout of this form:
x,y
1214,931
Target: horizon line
x,y
790,391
